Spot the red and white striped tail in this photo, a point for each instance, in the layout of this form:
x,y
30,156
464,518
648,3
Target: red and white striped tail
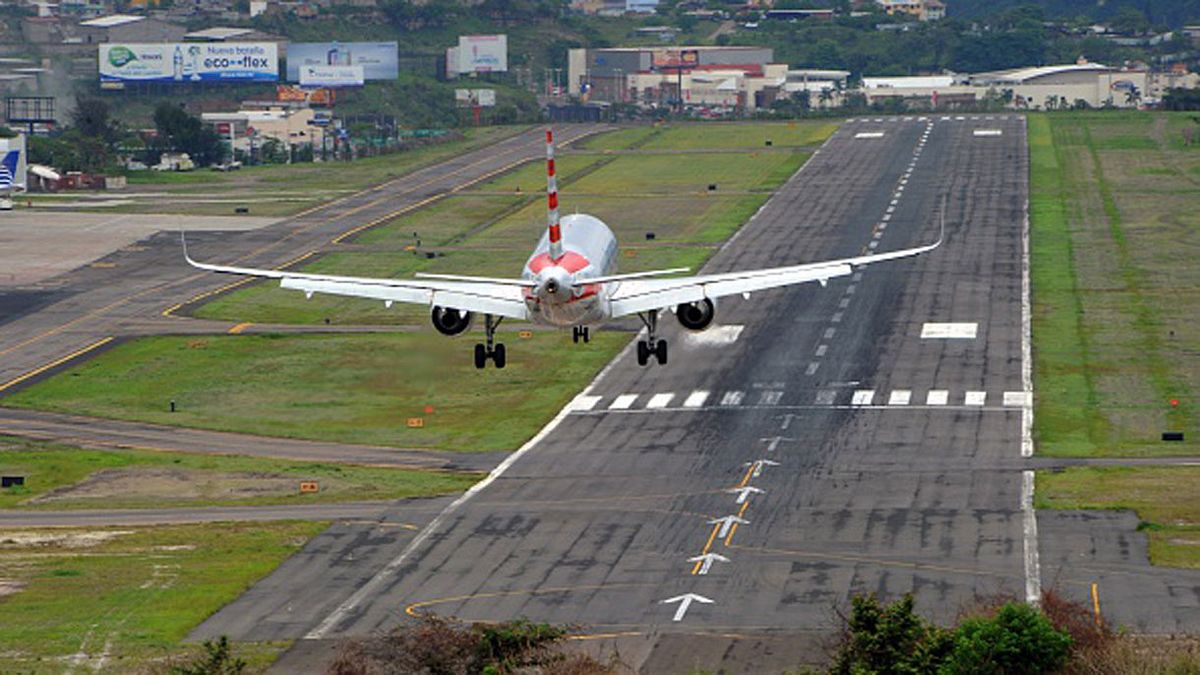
x,y
556,248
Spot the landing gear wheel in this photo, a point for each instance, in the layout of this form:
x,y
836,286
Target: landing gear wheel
x,y
660,352
480,356
498,356
643,353
580,333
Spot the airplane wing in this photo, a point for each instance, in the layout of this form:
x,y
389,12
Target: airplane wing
x,y
635,296
499,298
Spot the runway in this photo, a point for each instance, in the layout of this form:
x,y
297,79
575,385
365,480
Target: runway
x,y
871,436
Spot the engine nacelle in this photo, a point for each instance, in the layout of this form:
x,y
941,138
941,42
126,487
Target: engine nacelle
x,y
450,321
696,315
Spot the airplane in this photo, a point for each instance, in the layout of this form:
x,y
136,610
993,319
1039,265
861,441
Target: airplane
x,y
570,280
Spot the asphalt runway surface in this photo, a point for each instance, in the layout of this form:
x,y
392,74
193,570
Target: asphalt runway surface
x,y
871,436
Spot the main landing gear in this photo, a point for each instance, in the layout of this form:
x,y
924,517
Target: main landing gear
x,y
651,345
580,333
491,350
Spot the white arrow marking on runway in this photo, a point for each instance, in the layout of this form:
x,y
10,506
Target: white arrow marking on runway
x,y
685,601
726,523
707,560
743,493
758,465
774,441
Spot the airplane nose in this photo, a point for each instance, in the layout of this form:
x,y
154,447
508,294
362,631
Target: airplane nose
x,y
552,287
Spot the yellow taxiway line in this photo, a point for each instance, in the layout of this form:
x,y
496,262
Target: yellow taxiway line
x,y
55,363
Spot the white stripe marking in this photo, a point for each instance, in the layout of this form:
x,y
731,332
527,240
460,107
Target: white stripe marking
x,y
869,134
987,132
1016,399
863,397
975,398
1033,574
937,397
695,399
660,400
770,398
812,368
733,398
826,397
717,336
623,402
900,397
949,331
584,403
821,350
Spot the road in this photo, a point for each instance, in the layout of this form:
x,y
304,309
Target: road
x,y
871,436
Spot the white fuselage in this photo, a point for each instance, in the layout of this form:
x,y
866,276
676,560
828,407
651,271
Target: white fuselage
x,y
563,297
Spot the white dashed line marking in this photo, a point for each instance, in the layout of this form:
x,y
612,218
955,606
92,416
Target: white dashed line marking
x,y
812,368
716,336
1017,399
660,400
899,397
821,350
869,134
863,397
829,333
975,398
733,398
937,397
949,331
836,318
826,397
584,403
623,402
770,398
988,132
695,399
844,303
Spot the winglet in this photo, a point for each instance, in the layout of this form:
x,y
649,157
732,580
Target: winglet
x,y
183,240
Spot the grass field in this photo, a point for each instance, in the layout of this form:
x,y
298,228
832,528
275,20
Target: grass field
x,y
348,388
490,229
122,600
1115,210
1166,499
282,189
61,477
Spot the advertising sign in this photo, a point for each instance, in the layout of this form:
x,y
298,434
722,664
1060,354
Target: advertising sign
x,y
484,98
378,60
331,76
676,58
483,53
189,62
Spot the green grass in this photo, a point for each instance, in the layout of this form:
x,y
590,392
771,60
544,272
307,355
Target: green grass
x,y
1166,499
210,480
1115,232
742,135
345,388
135,595
316,183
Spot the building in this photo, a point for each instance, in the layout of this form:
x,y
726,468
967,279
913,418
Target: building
x,y
293,126
719,77
1092,85
129,28
924,10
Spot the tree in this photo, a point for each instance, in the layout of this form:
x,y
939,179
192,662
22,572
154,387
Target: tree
x,y
92,118
179,131
1129,21
1018,640
889,639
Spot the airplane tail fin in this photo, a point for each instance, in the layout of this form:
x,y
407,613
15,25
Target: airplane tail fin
x,y
556,247
8,168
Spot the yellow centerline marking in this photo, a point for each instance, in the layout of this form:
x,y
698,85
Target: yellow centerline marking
x,y
707,545
239,328
741,512
746,478
57,362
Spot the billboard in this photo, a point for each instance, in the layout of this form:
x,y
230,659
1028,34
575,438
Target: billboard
x,y
675,58
482,53
331,76
189,62
378,60
469,98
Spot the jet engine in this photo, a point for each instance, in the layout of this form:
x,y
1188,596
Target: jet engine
x,y
450,321
696,315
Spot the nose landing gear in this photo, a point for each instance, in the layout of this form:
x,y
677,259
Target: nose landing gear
x,y
491,350
651,346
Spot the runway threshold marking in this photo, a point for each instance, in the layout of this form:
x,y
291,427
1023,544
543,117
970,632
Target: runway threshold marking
x,y
55,363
